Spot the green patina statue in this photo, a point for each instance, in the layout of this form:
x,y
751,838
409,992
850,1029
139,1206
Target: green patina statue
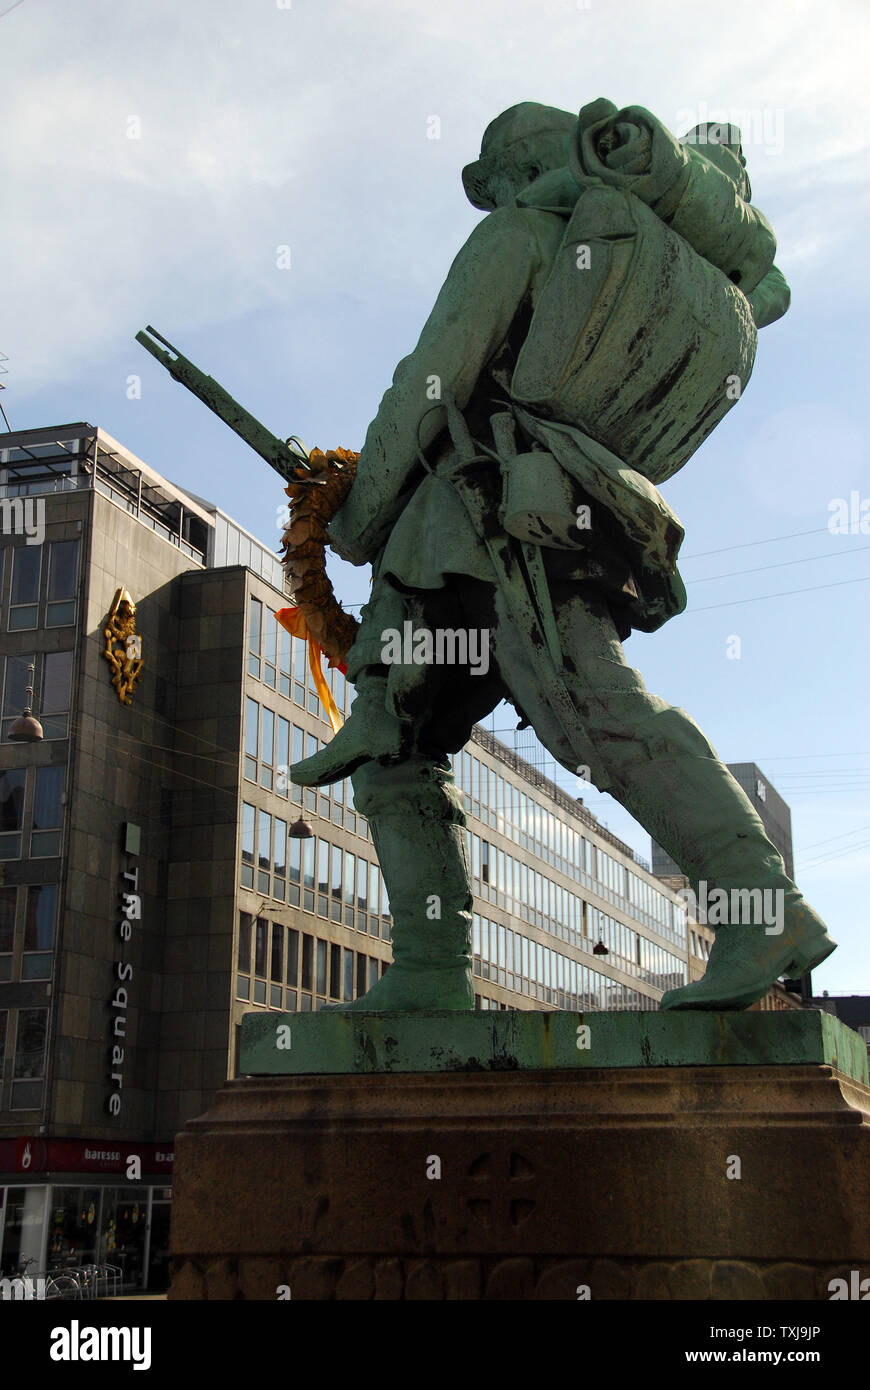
x,y
596,326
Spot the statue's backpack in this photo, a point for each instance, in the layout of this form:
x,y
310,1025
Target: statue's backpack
x,y
636,339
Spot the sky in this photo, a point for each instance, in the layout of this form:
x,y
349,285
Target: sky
x,y
259,180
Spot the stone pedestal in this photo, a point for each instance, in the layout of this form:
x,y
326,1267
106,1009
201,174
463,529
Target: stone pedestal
x,y
499,1180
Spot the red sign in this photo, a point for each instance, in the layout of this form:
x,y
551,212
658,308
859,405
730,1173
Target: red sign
x,y
33,1155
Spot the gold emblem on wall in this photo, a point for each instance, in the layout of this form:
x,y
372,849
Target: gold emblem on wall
x,y
123,646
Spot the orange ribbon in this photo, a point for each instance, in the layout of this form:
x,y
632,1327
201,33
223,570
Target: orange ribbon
x,y
294,621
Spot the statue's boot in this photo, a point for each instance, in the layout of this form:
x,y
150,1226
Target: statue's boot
x,y
370,731
697,812
417,826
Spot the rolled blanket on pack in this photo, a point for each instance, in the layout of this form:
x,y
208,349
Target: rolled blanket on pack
x,y
631,150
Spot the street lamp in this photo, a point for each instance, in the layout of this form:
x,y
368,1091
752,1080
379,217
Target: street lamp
x,y
26,728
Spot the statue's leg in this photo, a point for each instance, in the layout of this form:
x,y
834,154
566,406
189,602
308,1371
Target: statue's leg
x,y
654,759
417,827
416,816
371,730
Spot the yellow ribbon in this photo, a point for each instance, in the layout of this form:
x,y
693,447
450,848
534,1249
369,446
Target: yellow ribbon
x,y
293,620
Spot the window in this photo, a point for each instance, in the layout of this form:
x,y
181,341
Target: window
x,y
284,659
374,889
255,629
277,963
282,755
11,812
270,649
336,882
280,859
248,818
63,561
308,865
252,738
295,861
322,867
264,850
299,667
53,710
267,748
8,899
307,961
335,972
292,957
29,1064
340,689
349,877
15,689
39,931
243,959
24,599
47,812
320,980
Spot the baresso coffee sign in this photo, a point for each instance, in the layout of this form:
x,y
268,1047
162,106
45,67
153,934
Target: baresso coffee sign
x,y
31,1155
129,914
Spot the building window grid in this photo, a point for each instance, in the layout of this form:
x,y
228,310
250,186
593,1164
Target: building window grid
x,y
268,740
537,830
280,661
553,907
296,976
545,974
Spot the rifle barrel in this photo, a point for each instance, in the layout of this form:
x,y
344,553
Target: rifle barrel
x,y
284,459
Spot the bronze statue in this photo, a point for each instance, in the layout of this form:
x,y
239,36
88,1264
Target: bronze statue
x,y
595,327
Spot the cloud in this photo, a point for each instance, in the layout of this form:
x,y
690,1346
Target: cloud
x,y
255,127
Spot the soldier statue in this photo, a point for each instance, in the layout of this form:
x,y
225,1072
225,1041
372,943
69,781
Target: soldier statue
x,y
596,326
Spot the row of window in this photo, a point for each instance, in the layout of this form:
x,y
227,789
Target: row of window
x,y
505,957
287,969
280,661
312,874
272,743
29,1030
512,884
498,802
348,888
27,924
38,584
51,690
634,953
31,810
700,946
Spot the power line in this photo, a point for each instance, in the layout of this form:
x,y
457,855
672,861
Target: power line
x,y
783,593
819,861
743,545
782,564
841,836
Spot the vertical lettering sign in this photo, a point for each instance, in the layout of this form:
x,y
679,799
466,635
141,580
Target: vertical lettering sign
x,y
130,911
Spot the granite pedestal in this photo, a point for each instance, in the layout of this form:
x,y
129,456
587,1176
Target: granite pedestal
x,y
517,1156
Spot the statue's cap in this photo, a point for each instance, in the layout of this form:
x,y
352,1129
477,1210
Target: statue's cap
x,y
719,142
507,139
